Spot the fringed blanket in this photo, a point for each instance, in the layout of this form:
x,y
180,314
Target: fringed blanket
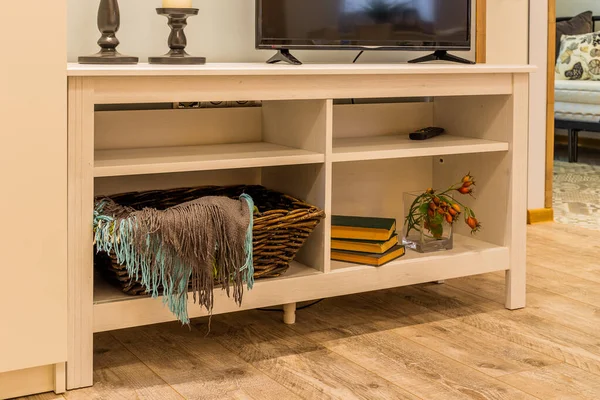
x,y
200,242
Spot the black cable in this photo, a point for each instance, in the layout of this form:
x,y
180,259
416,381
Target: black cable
x,y
354,62
297,309
359,54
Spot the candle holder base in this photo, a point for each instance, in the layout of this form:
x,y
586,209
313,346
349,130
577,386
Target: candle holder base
x,y
170,58
108,57
177,18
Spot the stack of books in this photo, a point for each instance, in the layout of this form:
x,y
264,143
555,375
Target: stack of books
x,y
364,240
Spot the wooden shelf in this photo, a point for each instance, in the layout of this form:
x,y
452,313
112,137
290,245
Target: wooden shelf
x,y
199,158
400,146
468,256
116,310
250,69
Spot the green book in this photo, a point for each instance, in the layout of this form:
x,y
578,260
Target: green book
x,y
362,228
376,260
365,246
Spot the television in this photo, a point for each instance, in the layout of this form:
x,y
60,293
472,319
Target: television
x,y
425,25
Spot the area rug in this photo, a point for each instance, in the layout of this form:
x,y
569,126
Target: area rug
x,y
577,194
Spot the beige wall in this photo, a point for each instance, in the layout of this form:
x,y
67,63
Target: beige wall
x,y
507,31
570,8
33,189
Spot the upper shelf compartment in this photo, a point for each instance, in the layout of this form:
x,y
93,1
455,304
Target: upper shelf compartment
x,y
380,131
168,141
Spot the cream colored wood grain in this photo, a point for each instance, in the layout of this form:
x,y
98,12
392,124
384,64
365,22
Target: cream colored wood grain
x,y
173,128
147,89
80,205
400,146
157,160
310,127
251,69
357,120
303,283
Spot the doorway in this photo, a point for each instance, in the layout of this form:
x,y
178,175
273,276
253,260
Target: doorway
x,y
573,114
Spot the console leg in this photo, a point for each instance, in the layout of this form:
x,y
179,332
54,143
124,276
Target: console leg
x,y
572,145
289,314
440,282
441,55
285,56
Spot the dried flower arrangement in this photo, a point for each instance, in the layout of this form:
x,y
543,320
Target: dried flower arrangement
x,y
430,210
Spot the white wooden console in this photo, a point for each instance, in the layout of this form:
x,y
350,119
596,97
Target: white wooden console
x,y
344,158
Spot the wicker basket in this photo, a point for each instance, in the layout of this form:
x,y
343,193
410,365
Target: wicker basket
x,y
281,226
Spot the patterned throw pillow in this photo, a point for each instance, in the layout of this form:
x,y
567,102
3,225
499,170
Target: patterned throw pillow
x,y
579,57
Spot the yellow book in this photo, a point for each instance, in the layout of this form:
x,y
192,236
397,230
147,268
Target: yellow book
x,y
362,228
364,246
376,260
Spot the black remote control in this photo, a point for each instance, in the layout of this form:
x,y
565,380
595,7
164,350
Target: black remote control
x,y
426,133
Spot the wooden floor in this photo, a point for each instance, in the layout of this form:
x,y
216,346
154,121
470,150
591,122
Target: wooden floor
x,y
448,341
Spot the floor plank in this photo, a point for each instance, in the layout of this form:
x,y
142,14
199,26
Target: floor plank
x,y
546,305
198,367
475,348
564,284
419,370
557,382
306,368
568,345
118,374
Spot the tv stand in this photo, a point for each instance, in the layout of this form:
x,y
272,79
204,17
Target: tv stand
x,y
285,56
443,56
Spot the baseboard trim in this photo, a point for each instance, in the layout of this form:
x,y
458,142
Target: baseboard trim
x,y
540,215
26,382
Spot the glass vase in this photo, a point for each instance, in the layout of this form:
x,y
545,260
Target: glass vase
x,y
424,232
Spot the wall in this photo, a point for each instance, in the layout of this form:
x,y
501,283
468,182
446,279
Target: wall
x,y
570,8
33,192
537,104
507,31
223,32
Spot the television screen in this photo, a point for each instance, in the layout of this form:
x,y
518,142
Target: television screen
x,y
364,24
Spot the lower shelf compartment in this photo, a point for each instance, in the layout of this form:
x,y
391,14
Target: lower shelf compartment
x,y
115,310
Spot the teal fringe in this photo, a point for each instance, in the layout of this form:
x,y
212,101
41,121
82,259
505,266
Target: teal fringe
x,y
109,237
249,266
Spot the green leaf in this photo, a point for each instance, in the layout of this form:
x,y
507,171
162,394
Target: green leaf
x,y
437,230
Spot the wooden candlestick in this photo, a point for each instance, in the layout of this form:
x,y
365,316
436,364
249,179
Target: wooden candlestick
x,y
177,41
109,21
